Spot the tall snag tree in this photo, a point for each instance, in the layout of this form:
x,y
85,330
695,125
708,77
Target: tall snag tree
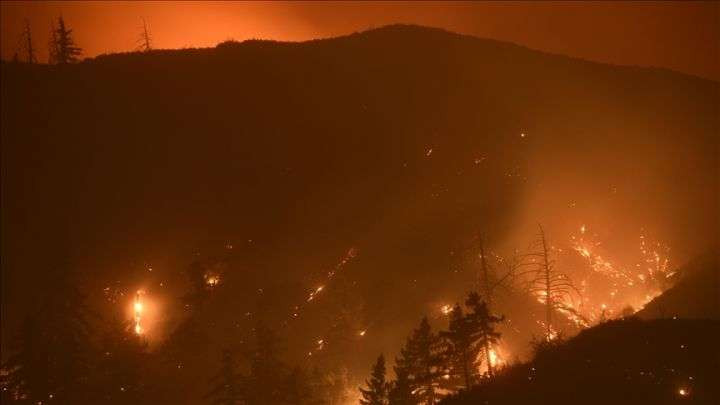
x,y
489,278
145,40
421,360
62,47
552,288
377,388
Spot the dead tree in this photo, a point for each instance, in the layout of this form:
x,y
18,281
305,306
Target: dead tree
x,y
489,280
553,288
145,40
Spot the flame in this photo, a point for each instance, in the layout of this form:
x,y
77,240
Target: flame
x,y
138,307
212,279
611,288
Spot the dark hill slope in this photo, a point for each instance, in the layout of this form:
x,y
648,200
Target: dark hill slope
x,y
400,141
695,296
618,362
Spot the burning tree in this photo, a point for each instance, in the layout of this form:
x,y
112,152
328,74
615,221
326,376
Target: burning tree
x,y
481,323
462,349
552,288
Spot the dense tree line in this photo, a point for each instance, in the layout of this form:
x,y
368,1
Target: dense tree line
x,y
433,364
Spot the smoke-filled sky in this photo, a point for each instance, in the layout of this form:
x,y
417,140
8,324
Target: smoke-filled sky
x,y
683,36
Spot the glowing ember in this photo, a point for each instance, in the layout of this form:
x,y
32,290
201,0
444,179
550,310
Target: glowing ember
x,y
314,293
446,309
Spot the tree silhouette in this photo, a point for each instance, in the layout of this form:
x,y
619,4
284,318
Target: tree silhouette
x,y
27,44
298,389
377,388
145,40
266,370
481,324
552,288
400,390
489,279
462,349
121,368
51,359
421,360
52,45
26,375
63,45
227,382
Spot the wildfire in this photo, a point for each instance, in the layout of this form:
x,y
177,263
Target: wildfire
x,y
446,309
612,288
212,280
138,308
497,358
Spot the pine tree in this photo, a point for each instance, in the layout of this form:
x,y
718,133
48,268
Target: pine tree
x,y
482,325
421,359
400,391
227,382
266,370
51,359
64,45
462,350
28,44
26,374
377,388
53,45
297,388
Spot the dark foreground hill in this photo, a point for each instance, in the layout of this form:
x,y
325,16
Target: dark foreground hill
x,y
696,295
399,142
618,362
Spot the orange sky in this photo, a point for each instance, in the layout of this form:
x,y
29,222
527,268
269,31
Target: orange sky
x,y
683,36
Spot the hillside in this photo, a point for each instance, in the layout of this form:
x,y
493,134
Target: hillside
x,y
399,142
695,296
619,362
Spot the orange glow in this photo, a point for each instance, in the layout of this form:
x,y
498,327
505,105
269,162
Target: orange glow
x,y
686,30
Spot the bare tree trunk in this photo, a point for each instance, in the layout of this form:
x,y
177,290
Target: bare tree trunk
x,y
548,296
